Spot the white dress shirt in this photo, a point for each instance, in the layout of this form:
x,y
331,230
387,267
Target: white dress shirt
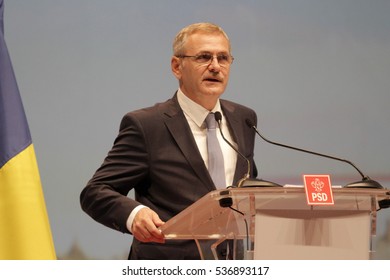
x,y
196,115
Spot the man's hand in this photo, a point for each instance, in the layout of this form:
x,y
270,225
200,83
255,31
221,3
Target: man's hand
x,y
145,226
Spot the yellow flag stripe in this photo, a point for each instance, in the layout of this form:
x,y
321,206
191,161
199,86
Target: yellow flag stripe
x,y
24,225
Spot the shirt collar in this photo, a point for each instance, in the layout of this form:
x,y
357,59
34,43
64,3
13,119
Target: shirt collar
x,y
193,110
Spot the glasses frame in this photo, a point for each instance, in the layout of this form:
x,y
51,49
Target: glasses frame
x,y
212,57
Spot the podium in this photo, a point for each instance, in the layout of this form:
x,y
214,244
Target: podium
x,y
277,223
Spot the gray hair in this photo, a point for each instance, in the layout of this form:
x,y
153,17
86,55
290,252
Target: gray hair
x,y
202,27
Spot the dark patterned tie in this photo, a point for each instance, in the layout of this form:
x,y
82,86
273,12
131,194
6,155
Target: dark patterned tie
x,y
216,164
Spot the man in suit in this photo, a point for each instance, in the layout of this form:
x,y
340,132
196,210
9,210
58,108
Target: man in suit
x,y
161,151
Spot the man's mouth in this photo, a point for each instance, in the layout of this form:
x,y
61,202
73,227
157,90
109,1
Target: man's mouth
x,y
214,80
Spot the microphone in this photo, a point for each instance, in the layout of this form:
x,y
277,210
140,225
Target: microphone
x,y
245,181
366,182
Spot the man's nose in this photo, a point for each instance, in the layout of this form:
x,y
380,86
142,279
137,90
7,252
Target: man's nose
x,y
214,65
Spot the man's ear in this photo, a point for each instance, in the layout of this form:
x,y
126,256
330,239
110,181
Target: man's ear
x,y
176,67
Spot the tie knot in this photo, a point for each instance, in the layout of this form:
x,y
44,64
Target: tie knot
x,y
211,123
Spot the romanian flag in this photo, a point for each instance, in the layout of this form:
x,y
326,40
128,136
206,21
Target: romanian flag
x,y
24,225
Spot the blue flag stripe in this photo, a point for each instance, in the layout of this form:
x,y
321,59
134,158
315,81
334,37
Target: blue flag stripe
x,y
14,131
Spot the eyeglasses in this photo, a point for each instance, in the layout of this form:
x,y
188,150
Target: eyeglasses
x,y
224,60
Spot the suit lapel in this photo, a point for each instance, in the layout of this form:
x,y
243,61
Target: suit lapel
x,y
178,126
237,132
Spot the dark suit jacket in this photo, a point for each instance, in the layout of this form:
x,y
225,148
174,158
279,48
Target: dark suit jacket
x,y
155,153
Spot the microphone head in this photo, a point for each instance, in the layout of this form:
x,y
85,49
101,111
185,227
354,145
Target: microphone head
x,y
249,123
218,116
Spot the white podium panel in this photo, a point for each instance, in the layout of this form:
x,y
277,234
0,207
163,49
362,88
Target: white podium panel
x,y
319,235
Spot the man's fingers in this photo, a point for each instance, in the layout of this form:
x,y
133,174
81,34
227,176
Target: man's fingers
x,y
145,225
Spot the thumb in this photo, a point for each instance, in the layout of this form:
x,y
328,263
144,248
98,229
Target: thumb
x,y
156,220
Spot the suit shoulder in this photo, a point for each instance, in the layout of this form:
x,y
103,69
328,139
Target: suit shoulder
x,y
151,114
148,111
236,107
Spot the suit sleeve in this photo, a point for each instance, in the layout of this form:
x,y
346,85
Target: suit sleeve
x,y
126,166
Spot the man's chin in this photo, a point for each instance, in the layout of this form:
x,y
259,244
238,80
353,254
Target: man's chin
x,y
214,90
213,93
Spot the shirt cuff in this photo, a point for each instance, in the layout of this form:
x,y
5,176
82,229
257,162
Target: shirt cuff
x,y
130,219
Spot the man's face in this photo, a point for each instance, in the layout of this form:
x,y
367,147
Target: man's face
x,y
203,82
